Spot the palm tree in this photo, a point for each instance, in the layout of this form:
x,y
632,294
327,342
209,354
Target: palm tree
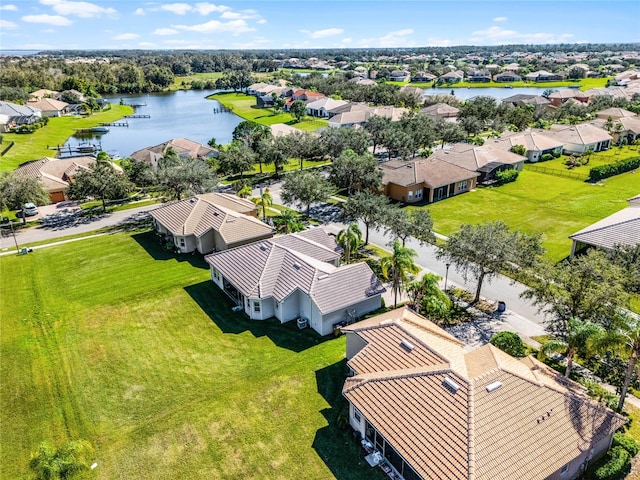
x,y
288,222
426,292
397,267
264,200
245,191
623,338
350,240
578,334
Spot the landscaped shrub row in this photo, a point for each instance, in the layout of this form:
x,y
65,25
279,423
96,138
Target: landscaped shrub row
x,y
6,149
507,176
616,467
616,168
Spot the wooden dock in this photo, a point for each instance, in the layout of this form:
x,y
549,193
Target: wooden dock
x,y
137,116
115,124
221,109
135,105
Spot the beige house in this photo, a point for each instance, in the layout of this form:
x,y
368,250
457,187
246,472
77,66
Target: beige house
x,y
425,180
56,174
427,409
210,222
49,107
184,147
297,276
580,138
620,228
536,144
441,111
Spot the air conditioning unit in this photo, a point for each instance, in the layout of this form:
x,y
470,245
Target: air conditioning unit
x,y
237,308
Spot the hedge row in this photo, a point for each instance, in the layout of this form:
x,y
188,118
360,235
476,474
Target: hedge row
x,y
6,149
612,169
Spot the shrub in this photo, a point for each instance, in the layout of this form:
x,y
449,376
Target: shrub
x,y
620,439
621,166
507,176
616,466
519,149
510,343
546,157
555,154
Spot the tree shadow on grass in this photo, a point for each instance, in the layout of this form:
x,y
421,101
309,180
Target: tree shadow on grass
x,y
218,307
152,244
337,444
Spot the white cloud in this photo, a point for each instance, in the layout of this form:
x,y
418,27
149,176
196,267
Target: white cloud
x,y
242,14
397,39
262,21
235,27
259,42
146,44
126,36
164,31
499,35
7,24
9,8
177,8
48,30
327,32
79,9
438,42
139,11
500,19
56,20
204,8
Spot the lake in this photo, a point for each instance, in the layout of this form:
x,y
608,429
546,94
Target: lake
x,y
181,114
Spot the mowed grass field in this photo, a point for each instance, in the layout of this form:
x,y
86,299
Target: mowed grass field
x,y
114,341
245,107
539,203
34,146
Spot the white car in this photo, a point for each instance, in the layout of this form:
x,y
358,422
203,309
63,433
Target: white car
x,y
29,210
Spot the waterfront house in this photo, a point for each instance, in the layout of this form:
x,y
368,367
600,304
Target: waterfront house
x,y
13,115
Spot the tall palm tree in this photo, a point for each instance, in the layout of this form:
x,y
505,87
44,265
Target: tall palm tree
x,y
578,334
288,222
264,200
397,267
245,191
350,240
622,337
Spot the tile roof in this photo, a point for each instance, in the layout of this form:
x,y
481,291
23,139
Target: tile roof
x,y
532,141
276,268
225,213
621,228
182,146
580,134
440,109
12,110
471,432
473,158
54,173
432,171
48,104
615,113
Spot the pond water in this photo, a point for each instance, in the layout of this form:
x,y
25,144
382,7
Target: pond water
x,y
182,114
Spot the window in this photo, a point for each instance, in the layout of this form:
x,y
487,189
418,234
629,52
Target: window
x,y
410,194
418,194
356,415
256,307
216,274
181,240
462,186
565,468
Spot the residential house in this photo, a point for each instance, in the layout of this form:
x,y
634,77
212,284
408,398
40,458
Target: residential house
x,y
349,107
621,228
350,119
615,113
297,276
441,111
485,160
399,76
43,93
183,147
306,96
479,76
210,222
415,91
282,129
13,115
559,97
507,77
432,410
424,180
424,77
621,124
536,144
264,101
56,174
323,106
363,81
392,113
544,76
49,107
254,87
580,138
456,76
521,99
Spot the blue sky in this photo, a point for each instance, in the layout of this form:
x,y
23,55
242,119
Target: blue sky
x,y
265,24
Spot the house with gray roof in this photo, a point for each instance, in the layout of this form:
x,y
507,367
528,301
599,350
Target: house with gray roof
x,y
621,228
210,222
580,138
183,147
297,276
536,144
13,115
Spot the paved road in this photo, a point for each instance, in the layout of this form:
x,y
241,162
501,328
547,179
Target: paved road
x,y
69,223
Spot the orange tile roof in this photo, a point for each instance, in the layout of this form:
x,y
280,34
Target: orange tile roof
x,y
470,433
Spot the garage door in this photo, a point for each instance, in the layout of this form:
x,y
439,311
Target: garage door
x,y
56,196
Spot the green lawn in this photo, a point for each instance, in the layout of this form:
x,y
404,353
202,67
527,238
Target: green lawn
x,y
245,107
34,146
184,82
585,84
538,202
114,341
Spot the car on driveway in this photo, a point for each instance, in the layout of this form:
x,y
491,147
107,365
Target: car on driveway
x,y
29,210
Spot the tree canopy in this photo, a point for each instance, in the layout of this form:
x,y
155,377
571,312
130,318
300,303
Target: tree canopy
x,y
101,181
305,188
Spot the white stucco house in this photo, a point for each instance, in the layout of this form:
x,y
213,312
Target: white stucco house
x,y
296,276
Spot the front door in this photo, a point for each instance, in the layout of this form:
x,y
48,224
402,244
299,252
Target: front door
x,y
440,193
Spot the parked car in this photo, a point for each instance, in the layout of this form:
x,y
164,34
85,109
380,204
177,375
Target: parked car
x,y
29,210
